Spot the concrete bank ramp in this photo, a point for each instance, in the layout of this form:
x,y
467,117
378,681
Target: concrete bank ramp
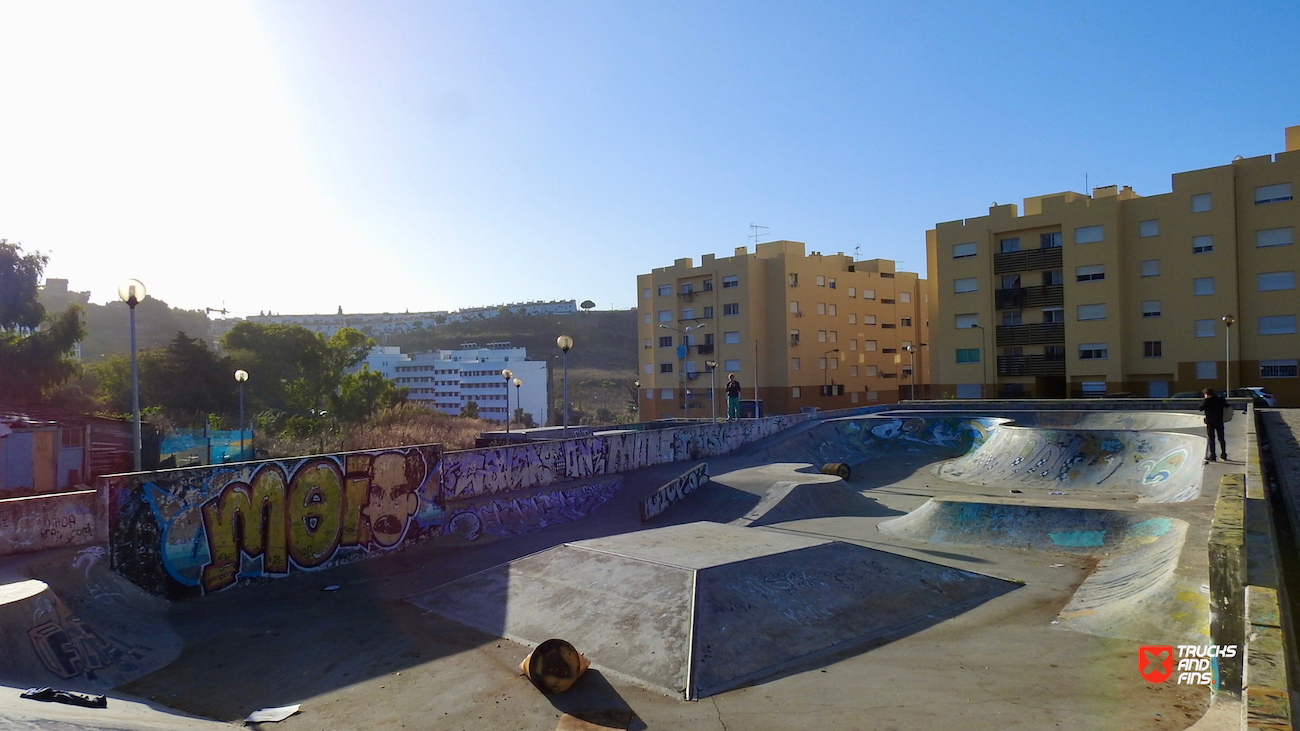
x,y
786,500
79,626
854,440
696,609
1155,466
1111,420
1136,592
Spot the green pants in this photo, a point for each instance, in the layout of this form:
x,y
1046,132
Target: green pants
x,y
733,408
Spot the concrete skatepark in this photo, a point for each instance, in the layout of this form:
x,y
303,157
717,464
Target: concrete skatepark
x,y
998,568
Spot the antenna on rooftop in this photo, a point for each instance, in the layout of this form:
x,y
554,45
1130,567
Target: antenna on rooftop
x,y
754,232
856,250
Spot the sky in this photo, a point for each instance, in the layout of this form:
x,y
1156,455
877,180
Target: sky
x,y
304,155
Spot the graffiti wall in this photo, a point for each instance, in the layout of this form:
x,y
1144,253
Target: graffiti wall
x,y
48,521
679,488
481,472
508,515
193,531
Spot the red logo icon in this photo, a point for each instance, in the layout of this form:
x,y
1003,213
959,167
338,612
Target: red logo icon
x,y
1156,662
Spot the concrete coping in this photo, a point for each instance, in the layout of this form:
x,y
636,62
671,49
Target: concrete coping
x,y
1262,609
1229,526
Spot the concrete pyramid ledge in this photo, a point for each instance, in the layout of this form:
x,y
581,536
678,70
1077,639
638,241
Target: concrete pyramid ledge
x,y
693,610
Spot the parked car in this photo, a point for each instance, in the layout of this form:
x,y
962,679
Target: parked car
x,y
1259,395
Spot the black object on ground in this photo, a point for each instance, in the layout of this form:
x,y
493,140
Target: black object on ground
x,y
53,695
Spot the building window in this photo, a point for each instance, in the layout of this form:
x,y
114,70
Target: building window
x,y
904,296
868,319
794,279
794,364
1277,369
830,309
1090,273
853,318
1093,351
708,285
1053,314
821,281
1147,229
647,318
1277,325
1207,369
731,338
1151,308
821,336
1049,241
794,307
649,343
821,308
1006,246
905,321
1151,268
665,316
834,335
1202,286
853,371
869,345
665,290
1091,312
968,355
868,294
1010,281
1093,388
1053,277
831,282
853,292
970,284
730,281
1274,281
665,367
1202,244
732,365
871,371
708,311
665,394
688,287
963,251
1088,234
732,308
1274,237
645,293
966,320
665,341
1272,193
794,337
834,363
688,313
1151,349
1200,202
1204,328
794,392
853,343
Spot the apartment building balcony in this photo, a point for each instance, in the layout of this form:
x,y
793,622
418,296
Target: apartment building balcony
x,y
1031,365
1044,333
1022,261
703,348
1022,297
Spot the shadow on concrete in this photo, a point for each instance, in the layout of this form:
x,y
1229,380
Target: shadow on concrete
x,y
594,700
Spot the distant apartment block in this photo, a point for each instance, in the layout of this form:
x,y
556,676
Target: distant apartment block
x,y
446,380
810,330
1113,292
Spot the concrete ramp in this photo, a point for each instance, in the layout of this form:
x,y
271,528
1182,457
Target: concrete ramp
x,y
786,501
1136,592
857,439
696,609
1155,466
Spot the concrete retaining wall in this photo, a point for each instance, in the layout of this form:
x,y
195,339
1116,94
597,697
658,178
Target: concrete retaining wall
x,y
1227,552
50,521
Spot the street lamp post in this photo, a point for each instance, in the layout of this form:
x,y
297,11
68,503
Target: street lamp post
x,y
681,355
1228,321
565,342
712,365
984,364
241,376
826,368
507,374
132,292
519,382
911,352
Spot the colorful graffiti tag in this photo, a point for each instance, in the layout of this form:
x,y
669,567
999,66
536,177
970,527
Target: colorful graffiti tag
x,y
679,488
68,647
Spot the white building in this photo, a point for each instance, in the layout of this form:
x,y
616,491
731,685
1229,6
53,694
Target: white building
x,y
446,380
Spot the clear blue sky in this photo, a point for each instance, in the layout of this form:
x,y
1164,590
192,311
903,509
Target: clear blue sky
x,y
298,156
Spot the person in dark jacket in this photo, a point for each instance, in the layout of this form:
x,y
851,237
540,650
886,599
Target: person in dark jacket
x,y
733,398
1214,406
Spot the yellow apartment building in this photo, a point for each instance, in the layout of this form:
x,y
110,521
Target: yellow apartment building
x,y
798,330
1118,293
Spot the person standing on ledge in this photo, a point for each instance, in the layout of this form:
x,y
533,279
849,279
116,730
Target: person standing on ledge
x,y
733,398
1214,406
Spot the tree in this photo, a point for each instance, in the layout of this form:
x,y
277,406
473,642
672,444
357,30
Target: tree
x,y
363,393
524,419
291,368
469,410
587,305
35,350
